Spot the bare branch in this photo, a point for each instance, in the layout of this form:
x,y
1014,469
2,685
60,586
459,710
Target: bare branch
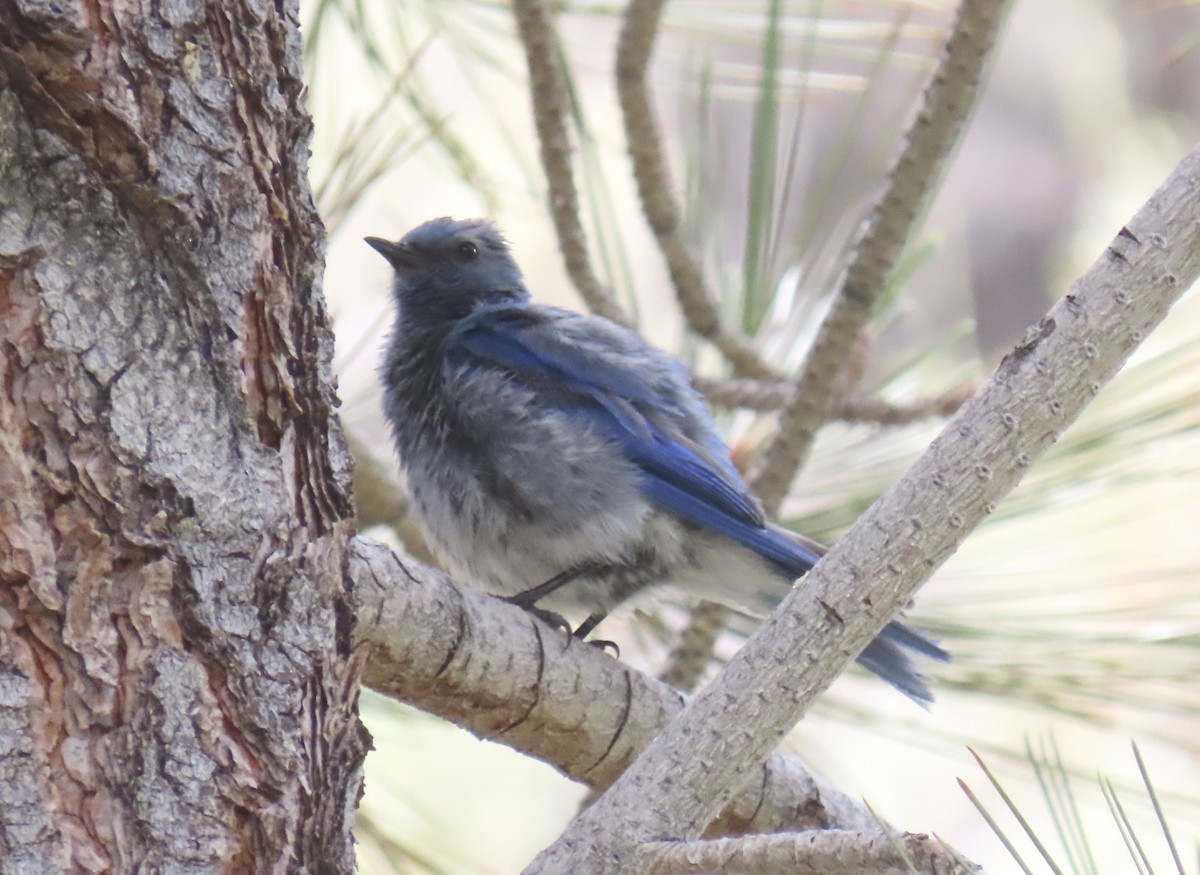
x,y
496,671
767,395
695,766
879,412
948,101
696,300
818,852
549,95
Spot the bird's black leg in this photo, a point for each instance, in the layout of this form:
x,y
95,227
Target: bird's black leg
x,y
585,629
531,597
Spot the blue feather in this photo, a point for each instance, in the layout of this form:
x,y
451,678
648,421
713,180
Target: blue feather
x,y
791,559
524,337
622,406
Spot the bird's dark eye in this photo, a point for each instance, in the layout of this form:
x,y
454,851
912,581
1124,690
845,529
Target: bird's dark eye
x,y
468,251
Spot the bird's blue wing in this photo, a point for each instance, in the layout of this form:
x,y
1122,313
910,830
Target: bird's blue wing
x,y
638,396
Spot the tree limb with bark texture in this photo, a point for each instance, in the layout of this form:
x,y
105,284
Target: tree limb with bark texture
x,y
691,771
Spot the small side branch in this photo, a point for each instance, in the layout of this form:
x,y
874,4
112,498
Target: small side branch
x,y
549,92
768,395
696,301
947,102
694,650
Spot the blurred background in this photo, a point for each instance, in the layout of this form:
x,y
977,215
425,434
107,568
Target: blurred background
x,y
1073,613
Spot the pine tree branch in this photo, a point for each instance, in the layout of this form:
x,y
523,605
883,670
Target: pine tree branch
x,y
694,650
694,767
816,852
500,673
948,101
768,395
549,93
639,29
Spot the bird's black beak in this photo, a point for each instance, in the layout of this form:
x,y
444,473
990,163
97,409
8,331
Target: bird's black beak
x,y
397,254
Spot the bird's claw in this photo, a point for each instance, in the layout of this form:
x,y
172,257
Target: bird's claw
x,y
605,645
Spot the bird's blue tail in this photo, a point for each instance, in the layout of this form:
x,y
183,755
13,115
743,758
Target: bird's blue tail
x,y
890,655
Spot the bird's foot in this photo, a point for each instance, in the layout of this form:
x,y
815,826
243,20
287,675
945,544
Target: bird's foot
x,y
585,629
606,646
555,621
558,621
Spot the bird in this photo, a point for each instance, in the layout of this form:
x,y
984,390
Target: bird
x,y
560,460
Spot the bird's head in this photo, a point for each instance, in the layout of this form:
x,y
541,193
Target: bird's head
x,y
446,268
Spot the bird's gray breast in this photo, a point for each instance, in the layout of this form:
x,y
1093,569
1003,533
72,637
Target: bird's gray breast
x,y
514,488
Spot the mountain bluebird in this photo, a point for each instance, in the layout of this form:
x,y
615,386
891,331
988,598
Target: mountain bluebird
x,y
559,458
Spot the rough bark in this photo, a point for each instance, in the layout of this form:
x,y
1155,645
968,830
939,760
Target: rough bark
x,y
177,688
824,852
494,670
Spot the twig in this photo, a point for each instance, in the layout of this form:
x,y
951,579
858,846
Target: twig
x,y
638,32
879,412
767,395
549,94
691,770
948,101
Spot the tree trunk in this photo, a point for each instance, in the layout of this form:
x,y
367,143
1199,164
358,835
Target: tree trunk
x,y
177,689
